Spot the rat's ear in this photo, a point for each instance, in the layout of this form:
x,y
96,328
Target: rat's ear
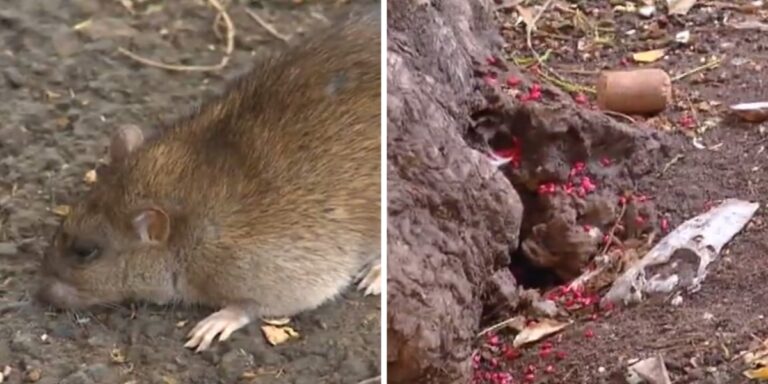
x,y
124,140
152,225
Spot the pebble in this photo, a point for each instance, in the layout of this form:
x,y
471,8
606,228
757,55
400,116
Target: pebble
x,y
63,330
78,377
8,249
24,343
66,43
108,28
14,78
100,373
33,375
357,366
155,329
5,354
233,364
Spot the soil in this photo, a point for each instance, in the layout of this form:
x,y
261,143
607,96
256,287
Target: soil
x,y
700,339
63,88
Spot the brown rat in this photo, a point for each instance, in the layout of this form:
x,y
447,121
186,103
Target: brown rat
x,y
265,202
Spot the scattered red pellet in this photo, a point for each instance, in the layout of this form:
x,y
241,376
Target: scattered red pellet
x,y
639,220
587,184
549,369
577,168
513,81
530,368
530,377
544,353
580,98
511,353
686,121
560,355
664,223
547,188
568,188
490,80
624,62
605,161
589,333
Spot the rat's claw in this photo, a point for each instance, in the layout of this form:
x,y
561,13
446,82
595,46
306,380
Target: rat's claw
x,y
223,322
371,281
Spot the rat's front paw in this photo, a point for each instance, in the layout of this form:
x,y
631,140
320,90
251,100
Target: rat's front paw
x,y
371,280
223,322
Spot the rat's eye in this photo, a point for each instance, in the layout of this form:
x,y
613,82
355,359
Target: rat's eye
x,y
84,250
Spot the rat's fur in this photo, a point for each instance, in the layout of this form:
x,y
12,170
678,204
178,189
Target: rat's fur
x,y
268,197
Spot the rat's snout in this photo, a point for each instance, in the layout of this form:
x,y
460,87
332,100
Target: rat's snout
x,y
59,294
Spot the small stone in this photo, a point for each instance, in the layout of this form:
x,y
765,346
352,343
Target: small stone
x,y
356,366
78,377
33,375
14,78
154,329
5,353
23,343
647,11
101,373
107,28
66,43
8,249
63,330
233,364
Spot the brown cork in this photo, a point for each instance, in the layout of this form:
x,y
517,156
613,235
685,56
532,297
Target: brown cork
x,y
635,92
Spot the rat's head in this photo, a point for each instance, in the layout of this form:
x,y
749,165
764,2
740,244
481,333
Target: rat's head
x,y
108,250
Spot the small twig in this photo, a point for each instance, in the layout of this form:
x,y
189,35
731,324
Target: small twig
x,y
619,114
670,163
529,29
709,65
371,380
498,325
613,229
267,26
201,68
555,78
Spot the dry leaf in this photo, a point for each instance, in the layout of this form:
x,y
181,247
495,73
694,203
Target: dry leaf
x,y
277,321
61,210
278,335
679,7
90,177
759,373
527,15
648,56
537,331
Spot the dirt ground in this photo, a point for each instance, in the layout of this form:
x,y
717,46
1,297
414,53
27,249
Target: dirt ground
x,y
63,88
700,340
